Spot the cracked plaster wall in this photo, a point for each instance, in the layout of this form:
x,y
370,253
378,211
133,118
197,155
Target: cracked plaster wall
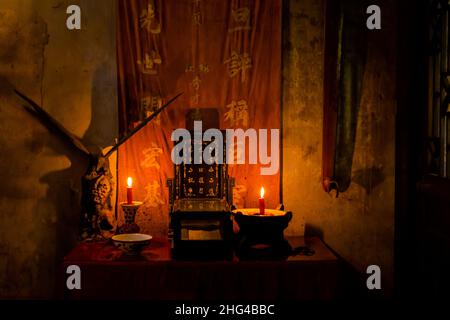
x,y
72,74
359,224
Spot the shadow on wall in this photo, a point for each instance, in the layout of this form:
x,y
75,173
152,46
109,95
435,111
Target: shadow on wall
x,y
63,194
40,229
41,175
64,185
103,127
48,224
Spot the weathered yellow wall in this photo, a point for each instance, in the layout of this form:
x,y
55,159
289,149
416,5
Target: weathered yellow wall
x,y
359,224
72,74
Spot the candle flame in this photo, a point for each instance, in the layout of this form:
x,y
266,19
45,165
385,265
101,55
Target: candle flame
x,y
129,182
262,192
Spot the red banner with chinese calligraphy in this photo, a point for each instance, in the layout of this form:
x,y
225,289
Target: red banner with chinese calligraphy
x,y
221,54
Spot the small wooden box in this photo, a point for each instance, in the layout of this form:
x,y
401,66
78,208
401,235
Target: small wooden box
x,y
202,229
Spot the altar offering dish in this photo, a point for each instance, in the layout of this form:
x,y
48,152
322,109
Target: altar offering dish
x,y
132,243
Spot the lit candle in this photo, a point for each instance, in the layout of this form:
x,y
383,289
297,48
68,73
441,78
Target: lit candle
x,y
130,191
262,205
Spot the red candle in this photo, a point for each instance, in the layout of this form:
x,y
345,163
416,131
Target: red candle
x,y
130,191
262,205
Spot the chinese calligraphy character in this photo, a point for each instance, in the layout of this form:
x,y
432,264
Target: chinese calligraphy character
x,y
148,21
195,98
153,196
151,104
239,63
241,17
197,18
196,83
189,68
204,68
148,66
150,157
201,180
237,113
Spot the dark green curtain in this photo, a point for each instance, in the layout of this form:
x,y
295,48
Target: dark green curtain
x,y
345,59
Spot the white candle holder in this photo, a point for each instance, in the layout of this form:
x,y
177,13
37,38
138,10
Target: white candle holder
x,y
129,214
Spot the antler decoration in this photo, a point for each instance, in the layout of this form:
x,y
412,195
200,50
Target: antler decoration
x,y
52,124
37,111
140,126
97,183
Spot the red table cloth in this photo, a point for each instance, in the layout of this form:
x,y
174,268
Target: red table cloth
x,y
107,274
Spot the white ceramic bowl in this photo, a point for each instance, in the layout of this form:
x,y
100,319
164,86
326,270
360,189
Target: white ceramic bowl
x,y
131,243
